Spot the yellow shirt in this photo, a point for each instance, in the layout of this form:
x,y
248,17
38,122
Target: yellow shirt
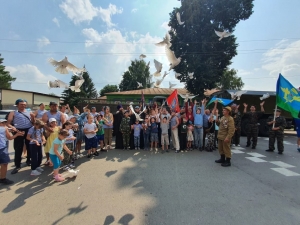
x,y
51,138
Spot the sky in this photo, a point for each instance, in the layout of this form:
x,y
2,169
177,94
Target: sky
x,y
106,35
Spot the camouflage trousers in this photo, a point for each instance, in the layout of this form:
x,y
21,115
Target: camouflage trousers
x,y
252,132
68,158
126,139
276,135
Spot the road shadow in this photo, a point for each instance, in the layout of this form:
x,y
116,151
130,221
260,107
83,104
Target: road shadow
x,y
72,211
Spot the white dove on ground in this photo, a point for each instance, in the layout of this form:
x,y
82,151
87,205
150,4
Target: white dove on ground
x,y
78,74
191,75
64,65
165,42
171,85
78,84
139,84
186,97
57,84
137,116
223,34
142,56
172,58
177,75
158,67
73,173
237,94
267,95
178,18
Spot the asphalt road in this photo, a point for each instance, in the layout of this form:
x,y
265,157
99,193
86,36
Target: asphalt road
x,y
138,187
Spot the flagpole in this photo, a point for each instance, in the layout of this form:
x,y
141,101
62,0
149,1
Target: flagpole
x,y
275,116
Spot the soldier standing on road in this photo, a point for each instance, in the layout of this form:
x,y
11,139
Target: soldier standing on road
x,y
236,115
276,132
253,118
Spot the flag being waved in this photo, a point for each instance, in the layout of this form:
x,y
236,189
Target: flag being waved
x,y
172,101
287,97
223,101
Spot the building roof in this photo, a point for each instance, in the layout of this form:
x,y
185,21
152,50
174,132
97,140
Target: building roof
x,y
150,91
30,92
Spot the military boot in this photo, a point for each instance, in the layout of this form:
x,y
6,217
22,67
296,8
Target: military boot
x,y
226,163
221,160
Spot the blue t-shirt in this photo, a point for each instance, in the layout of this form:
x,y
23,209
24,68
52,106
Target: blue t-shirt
x,y
137,129
60,144
154,128
36,134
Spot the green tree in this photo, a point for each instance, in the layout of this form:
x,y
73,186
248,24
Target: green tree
x,y
138,71
198,45
88,91
53,94
108,88
230,80
5,77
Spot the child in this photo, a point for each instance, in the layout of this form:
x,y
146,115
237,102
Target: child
x,y
37,139
210,134
55,153
69,159
189,136
164,126
4,156
146,130
100,133
183,132
51,136
90,129
126,129
154,133
137,133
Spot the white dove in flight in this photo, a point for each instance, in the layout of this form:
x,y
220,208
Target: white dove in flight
x,y
223,34
177,75
166,41
78,84
139,84
237,95
171,85
158,67
64,65
57,84
186,97
142,56
172,58
137,116
78,74
267,95
179,19
191,75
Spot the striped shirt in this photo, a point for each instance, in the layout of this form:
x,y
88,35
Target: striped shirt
x,y
22,120
3,139
57,116
40,113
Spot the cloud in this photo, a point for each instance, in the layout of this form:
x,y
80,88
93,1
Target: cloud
x,y
134,10
43,42
116,53
56,21
26,73
83,10
165,26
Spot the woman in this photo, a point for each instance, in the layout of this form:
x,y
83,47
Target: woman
x,y
40,112
210,134
108,127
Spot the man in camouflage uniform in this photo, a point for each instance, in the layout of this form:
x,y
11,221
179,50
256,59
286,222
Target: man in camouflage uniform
x,y
125,129
236,115
276,132
253,118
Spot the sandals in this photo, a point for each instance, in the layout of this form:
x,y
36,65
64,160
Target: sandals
x,y
59,178
47,163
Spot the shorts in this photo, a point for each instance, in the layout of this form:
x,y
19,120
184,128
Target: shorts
x,y
154,137
164,139
100,137
55,160
4,156
91,143
297,124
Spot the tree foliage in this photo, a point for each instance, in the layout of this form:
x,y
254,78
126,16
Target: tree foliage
x,y
88,91
138,71
198,45
5,77
108,88
230,80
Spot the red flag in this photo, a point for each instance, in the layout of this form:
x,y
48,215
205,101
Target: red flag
x,y
172,101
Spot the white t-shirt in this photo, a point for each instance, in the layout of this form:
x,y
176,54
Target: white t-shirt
x,y
90,127
71,134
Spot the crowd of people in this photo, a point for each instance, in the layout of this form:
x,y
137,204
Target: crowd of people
x,y
62,131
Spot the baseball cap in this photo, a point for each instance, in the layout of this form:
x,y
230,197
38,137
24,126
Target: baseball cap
x,y
2,120
52,103
20,100
52,120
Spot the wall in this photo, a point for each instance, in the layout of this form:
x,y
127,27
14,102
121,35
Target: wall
x,y
38,99
9,97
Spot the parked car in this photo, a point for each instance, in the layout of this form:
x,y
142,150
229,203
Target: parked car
x,y
4,113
